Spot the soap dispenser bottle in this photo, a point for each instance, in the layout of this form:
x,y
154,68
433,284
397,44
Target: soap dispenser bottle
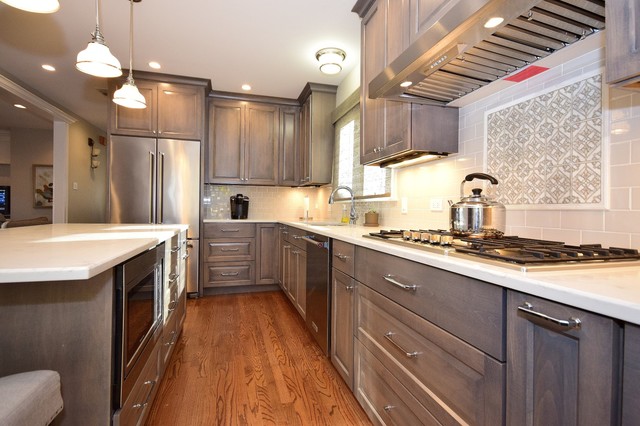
x,y
345,215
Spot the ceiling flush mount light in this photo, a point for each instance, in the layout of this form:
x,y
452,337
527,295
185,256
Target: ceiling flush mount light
x,y
330,59
96,59
493,22
35,6
128,95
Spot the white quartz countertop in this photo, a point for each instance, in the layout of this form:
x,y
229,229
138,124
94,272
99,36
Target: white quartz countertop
x,y
73,251
613,291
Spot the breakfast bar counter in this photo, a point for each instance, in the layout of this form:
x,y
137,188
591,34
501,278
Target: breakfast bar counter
x,y
74,251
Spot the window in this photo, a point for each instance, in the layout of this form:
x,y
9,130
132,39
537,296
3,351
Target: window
x,y
366,181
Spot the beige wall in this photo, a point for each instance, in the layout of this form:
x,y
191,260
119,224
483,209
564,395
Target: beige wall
x,y
87,203
28,147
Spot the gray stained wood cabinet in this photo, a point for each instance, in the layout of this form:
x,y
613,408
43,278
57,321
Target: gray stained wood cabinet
x,y
342,309
631,376
622,51
289,147
173,111
316,134
429,354
292,260
389,128
237,254
243,142
559,372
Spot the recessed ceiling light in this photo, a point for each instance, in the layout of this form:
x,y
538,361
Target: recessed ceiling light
x,y
406,83
48,67
20,106
246,87
154,65
493,22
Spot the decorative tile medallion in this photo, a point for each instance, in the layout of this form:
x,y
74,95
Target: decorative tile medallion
x,y
548,149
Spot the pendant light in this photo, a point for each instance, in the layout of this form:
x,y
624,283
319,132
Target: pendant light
x,y
96,59
128,95
35,6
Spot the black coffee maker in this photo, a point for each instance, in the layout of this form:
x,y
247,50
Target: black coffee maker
x,y
239,206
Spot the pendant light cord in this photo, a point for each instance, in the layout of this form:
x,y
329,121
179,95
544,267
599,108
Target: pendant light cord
x,y
130,78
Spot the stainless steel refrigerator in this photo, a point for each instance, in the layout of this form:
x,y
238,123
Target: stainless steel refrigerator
x,y
157,181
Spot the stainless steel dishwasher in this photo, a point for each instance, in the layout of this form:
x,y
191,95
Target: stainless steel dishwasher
x,y
318,289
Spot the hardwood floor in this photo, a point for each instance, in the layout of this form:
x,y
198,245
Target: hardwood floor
x,y
247,359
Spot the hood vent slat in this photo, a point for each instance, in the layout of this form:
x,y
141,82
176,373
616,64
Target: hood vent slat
x,y
535,31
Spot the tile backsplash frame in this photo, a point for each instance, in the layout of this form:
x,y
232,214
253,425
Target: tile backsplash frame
x,y
541,200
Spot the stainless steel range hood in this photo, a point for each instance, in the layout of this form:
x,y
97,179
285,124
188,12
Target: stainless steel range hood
x,y
456,55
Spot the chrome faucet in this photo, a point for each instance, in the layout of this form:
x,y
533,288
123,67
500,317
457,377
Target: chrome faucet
x,y
353,217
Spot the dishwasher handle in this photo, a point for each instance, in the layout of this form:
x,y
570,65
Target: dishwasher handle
x,y
320,244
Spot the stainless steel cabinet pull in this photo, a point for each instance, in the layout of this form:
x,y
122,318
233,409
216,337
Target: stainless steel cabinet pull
x,y
285,232
161,189
571,323
389,337
229,249
229,274
231,230
341,256
297,237
172,305
391,278
152,183
146,400
388,408
348,288
175,249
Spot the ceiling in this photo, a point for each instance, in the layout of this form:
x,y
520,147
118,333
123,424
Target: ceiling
x,y
269,44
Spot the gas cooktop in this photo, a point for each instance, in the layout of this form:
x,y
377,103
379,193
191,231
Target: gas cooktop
x,y
511,251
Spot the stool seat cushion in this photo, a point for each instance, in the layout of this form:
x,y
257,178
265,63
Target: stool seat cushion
x,y
31,398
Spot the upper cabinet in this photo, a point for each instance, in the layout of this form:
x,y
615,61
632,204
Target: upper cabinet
x,y
316,134
623,44
243,142
391,130
289,162
173,111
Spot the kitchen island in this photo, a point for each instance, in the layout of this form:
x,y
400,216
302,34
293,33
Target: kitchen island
x,y
57,306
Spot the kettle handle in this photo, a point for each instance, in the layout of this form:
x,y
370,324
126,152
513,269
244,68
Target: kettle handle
x,y
473,176
484,176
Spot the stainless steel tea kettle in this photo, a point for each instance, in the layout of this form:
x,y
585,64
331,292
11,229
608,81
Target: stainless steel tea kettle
x,y
476,215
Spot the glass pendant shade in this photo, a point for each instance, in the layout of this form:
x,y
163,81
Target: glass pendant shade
x,y
129,96
35,6
97,60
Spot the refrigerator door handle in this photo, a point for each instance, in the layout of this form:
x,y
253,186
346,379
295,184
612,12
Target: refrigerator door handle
x,y
161,188
152,162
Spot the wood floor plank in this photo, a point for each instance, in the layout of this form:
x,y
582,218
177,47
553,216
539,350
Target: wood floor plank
x,y
247,359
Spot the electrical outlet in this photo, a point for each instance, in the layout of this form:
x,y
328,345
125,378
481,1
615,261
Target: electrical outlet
x,y
436,204
75,186
404,205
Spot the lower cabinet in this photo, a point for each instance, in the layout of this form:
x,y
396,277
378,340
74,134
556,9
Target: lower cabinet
x,y
563,365
237,254
292,266
631,376
342,312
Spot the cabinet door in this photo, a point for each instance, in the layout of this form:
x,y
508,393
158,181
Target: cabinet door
x,y
288,173
342,325
301,282
292,273
623,40
135,122
372,63
285,271
631,376
266,267
261,144
560,375
180,111
304,146
226,135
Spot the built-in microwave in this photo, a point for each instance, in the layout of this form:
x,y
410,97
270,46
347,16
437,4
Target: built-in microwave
x,y
138,318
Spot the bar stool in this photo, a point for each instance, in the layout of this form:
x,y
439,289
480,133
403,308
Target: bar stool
x,y
31,398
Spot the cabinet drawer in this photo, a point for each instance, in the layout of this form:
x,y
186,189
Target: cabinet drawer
x,y
463,385
383,396
344,257
469,309
294,237
238,249
229,274
137,405
229,230
169,337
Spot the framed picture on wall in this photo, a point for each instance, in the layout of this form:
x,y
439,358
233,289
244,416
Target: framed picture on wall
x,y
42,186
